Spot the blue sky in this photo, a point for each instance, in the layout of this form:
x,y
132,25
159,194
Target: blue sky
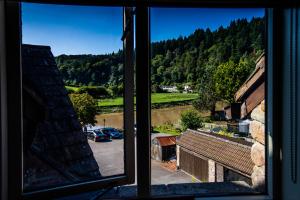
x,y
98,30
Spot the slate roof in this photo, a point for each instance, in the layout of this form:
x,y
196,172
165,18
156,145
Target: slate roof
x,y
231,154
166,140
52,132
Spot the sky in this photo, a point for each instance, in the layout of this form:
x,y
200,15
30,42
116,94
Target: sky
x,y
98,30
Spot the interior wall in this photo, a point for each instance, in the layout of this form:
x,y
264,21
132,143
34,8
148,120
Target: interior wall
x,y
2,103
291,107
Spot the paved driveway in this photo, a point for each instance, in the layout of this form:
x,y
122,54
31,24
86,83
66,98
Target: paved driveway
x,y
110,158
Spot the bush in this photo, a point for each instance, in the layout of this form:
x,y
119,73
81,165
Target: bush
x,y
191,119
156,89
116,91
95,91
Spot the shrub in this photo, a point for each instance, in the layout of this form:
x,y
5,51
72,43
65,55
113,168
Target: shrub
x,y
116,91
94,91
156,89
191,119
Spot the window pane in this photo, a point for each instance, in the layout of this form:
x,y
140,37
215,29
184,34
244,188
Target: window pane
x,y
72,63
208,108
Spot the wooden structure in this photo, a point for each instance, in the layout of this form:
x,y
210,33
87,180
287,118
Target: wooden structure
x,y
163,148
233,111
209,156
194,164
252,92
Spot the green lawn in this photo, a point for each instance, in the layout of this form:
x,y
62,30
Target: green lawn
x,y
75,89
168,130
156,98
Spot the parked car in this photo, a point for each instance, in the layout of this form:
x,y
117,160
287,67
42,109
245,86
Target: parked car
x,y
114,133
95,133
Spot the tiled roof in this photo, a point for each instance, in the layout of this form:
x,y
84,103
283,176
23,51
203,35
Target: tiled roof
x,y
233,155
166,140
58,139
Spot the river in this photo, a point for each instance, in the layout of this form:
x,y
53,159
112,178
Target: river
x,y
158,116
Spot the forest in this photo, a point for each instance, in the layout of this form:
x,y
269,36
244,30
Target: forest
x,y
213,63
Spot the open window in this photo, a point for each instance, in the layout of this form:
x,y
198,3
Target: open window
x,y
208,99
65,139
17,89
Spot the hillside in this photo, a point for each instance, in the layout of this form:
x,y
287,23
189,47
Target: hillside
x,y
178,61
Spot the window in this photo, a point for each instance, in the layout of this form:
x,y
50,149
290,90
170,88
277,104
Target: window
x,y
66,142
208,98
12,109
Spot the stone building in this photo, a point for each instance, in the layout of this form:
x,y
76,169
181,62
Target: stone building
x,y
212,157
251,95
56,152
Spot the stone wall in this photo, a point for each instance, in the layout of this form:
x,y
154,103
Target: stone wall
x,y
257,130
220,173
211,171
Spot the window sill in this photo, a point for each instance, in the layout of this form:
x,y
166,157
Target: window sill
x,y
237,190
244,197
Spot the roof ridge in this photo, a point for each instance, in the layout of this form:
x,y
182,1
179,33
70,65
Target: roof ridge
x,y
36,46
208,134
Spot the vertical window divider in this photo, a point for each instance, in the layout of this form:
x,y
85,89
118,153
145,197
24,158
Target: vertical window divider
x,y
129,92
143,108
14,100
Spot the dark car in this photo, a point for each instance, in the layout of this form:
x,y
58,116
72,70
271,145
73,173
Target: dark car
x,y
95,133
112,132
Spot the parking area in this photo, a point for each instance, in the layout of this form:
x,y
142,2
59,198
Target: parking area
x,y
110,158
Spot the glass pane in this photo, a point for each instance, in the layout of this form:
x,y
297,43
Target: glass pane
x,y
208,108
72,63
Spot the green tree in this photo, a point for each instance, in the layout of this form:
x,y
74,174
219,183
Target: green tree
x,y
229,76
207,98
85,107
191,119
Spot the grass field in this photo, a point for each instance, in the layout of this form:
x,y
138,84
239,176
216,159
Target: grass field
x,y
75,89
156,98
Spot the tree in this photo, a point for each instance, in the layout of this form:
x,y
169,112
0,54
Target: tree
x,y
174,61
85,107
191,119
229,76
207,98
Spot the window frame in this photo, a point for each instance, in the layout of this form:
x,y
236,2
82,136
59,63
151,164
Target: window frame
x,y
11,90
13,85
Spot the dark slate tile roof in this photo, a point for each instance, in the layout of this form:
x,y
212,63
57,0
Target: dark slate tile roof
x,y
58,137
231,154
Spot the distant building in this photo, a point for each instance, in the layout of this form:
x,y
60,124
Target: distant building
x,y
169,88
187,89
163,148
214,158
